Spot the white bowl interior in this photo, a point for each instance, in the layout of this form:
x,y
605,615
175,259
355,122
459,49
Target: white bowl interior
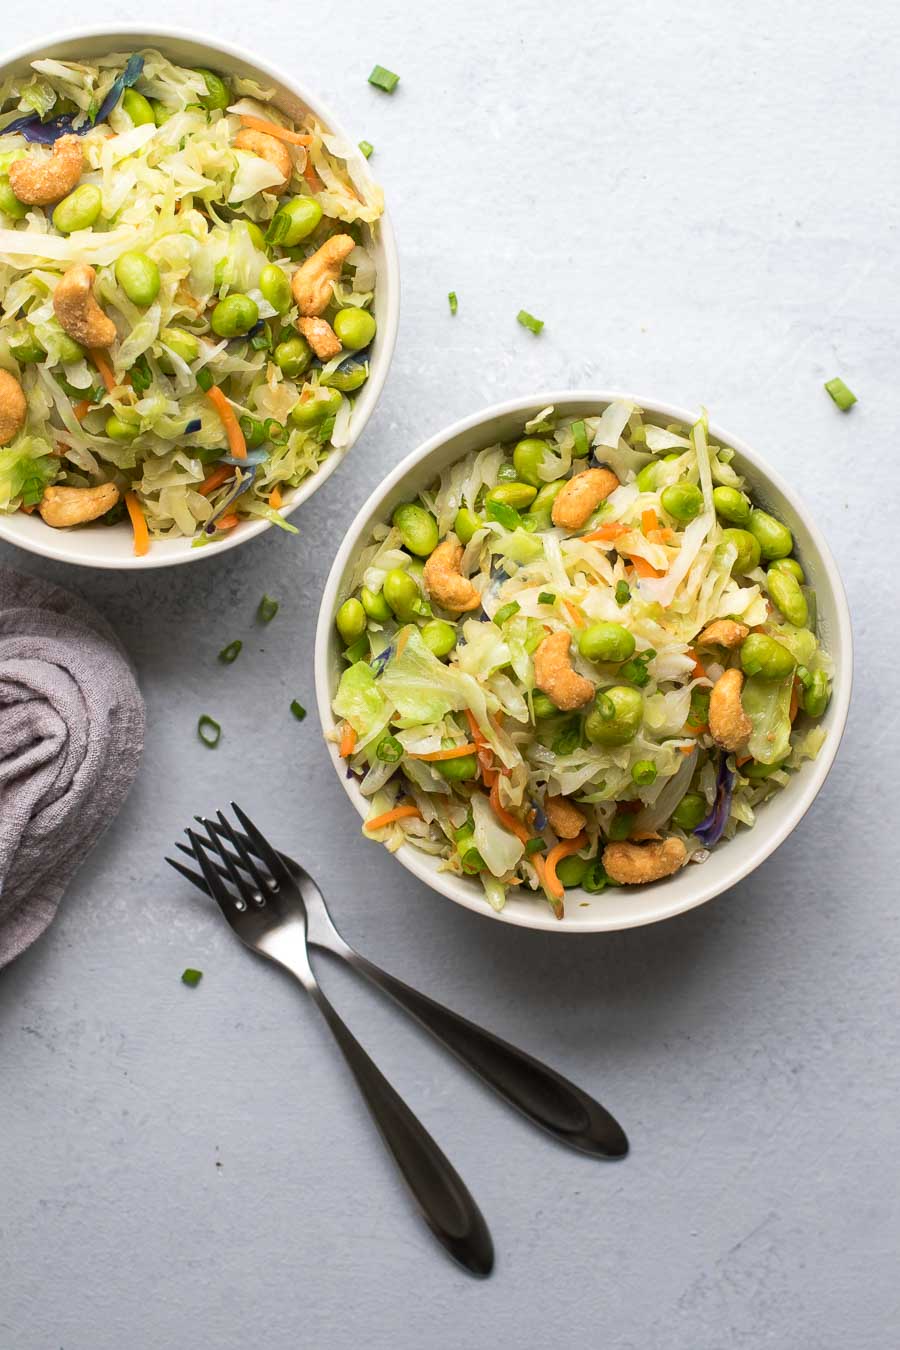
x,y
617,907
111,545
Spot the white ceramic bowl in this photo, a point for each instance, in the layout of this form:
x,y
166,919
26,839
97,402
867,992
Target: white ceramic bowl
x,y
730,861
111,546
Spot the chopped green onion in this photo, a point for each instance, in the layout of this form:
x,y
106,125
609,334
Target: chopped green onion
x,y
506,612
298,709
635,672
261,340
358,650
623,592
389,750
204,379
579,431
209,731
267,609
231,652
568,740
546,598
191,977
384,79
529,321
535,845
595,879
254,431
842,396
454,303
644,772
605,707
366,147
507,516
276,432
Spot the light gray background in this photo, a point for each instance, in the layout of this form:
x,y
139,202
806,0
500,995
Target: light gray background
x,y
701,201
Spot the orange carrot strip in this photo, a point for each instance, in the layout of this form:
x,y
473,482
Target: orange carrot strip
x,y
388,818
506,818
579,619
649,520
485,753
742,760
273,129
642,567
228,521
608,532
663,536
698,669
564,849
219,475
138,524
312,177
98,356
81,409
348,741
455,752
275,498
236,443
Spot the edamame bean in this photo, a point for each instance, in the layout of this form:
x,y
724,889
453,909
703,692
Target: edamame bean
x,y
161,111
375,605
517,495
294,221
119,430
789,565
234,316
257,238
138,108
528,456
756,770
69,350
350,620
775,540
606,642
765,656
747,546
785,591
731,505
181,343
349,376
643,772
682,501
814,698
458,770
690,811
543,706
9,202
617,716
79,210
439,637
312,411
418,528
570,871
465,524
293,356
355,328
401,593
469,856
646,479
507,472
275,288
138,276
541,507
28,352
217,95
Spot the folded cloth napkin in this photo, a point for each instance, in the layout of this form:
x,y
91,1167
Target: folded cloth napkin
x,y
71,735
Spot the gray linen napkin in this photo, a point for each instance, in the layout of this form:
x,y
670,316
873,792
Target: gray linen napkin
x,y
71,735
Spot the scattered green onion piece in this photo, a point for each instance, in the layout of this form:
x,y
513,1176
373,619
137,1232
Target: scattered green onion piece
x,y
209,731
529,321
506,612
384,79
231,652
260,341
191,977
595,878
298,709
623,592
568,740
605,707
454,303
644,772
843,397
507,516
635,672
389,750
276,432
254,431
358,650
546,598
204,379
366,147
579,431
535,845
267,609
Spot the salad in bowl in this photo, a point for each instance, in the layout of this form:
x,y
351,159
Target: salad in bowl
x,y
582,657
187,279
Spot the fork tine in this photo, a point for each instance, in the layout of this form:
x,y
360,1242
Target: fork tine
x,y
264,883
263,848
249,894
210,875
186,848
186,872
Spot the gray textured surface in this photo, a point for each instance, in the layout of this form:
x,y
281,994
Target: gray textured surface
x,y
701,202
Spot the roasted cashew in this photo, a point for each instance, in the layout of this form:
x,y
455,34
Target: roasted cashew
x,y
40,182
13,408
78,311
61,506
554,676
444,582
636,864
723,633
581,496
566,821
275,152
321,337
729,724
312,282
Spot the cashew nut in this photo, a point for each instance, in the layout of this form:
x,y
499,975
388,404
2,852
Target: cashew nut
x,y
78,311
554,676
566,821
635,864
39,182
723,633
61,506
269,148
321,337
729,724
581,496
13,408
312,282
444,581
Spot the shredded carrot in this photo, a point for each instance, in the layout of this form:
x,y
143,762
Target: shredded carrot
x,y
236,443
219,475
742,760
312,177
273,129
228,521
275,498
388,818
687,749
578,617
506,818
642,567
663,536
564,849
455,752
348,741
485,753
98,356
81,409
649,520
698,669
608,533
138,524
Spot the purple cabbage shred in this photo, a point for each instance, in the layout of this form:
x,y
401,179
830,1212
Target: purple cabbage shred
x,y
193,425
240,487
711,828
46,133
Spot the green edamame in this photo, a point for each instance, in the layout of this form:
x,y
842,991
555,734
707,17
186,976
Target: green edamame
x,y
540,509
646,479
731,505
789,565
138,276
375,605
570,871
747,545
814,698
27,352
315,410
350,620
543,705
466,524
528,456
439,637
617,716
9,202
161,111
181,343
682,501
117,429
138,108
79,210
234,316
401,593
418,528
458,770
757,770
784,588
765,656
217,95
606,642
348,377
775,540
293,221
690,811
354,328
293,356
516,495
469,856
275,288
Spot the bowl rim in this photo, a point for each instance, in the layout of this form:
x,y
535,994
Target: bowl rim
x,y
55,546
816,771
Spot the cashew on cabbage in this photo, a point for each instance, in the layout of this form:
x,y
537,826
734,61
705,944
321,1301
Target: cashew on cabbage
x,y
77,310
636,864
13,408
554,676
729,725
581,496
312,283
444,582
41,180
61,506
